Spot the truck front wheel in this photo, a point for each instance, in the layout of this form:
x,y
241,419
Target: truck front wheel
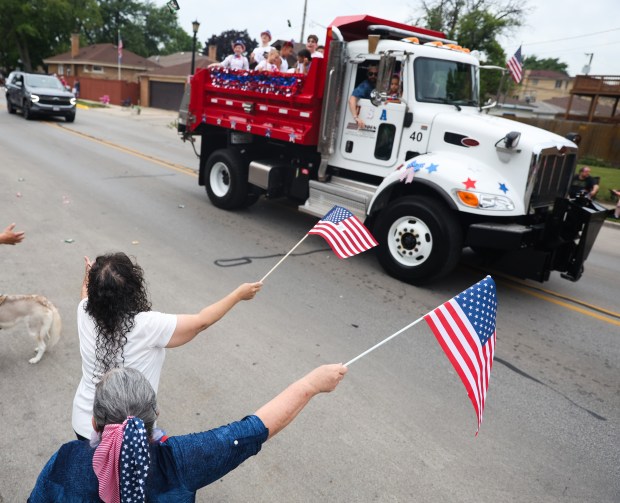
x,y
419,239
226,179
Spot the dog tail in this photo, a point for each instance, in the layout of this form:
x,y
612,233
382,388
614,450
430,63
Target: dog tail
x,y
54,333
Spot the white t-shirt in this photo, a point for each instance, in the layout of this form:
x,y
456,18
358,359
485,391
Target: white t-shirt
x,y
260,51
236,62
144,351
266,66
317,54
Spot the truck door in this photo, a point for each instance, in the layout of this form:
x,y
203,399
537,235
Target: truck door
x,y
378,141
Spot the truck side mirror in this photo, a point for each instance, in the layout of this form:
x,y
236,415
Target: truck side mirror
x,y
385,72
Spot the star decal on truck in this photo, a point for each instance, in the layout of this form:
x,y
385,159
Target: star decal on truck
x,y
469,183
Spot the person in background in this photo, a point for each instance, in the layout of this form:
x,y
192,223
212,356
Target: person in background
x,y
117,328
260,53
271,64
312,43
8,237
236,61
583,182
76,88
130,461
362,91
321,49
616,193
304,59
285,52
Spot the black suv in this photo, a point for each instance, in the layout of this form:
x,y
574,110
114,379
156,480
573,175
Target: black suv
x,y
38,94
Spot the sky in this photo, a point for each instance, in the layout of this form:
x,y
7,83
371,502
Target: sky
x,y
569,30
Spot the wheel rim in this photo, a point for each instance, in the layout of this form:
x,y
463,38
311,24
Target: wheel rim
x,y
219,179
410,241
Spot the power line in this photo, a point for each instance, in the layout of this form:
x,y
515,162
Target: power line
x,y
572,38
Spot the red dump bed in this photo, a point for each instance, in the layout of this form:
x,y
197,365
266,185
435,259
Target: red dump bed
x,y
283,106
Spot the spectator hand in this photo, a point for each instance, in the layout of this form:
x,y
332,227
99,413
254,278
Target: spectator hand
x,y
247,291
326,377
8,237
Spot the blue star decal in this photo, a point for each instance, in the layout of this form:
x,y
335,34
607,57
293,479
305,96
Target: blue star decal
x,y
417,166
432,167
503,188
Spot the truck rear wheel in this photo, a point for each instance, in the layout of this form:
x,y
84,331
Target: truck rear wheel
x,y
227,179
419,239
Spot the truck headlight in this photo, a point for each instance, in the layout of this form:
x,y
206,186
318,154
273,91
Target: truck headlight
x,y
34,98
73,101
484,201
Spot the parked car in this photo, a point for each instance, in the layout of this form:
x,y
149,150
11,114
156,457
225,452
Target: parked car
x,y
37,94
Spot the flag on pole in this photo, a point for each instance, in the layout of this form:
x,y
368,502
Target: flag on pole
x,y
465,328
515,66
344,233
120,47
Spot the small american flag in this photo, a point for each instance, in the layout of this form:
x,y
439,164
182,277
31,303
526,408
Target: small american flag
x,y
120,46
465,328
343,231
515,66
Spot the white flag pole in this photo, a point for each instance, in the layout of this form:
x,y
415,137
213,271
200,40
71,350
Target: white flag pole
x,y
383,341
282,259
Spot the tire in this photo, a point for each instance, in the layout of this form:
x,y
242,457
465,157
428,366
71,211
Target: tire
x,y
27,113
70,117
9,107
227,179
419,239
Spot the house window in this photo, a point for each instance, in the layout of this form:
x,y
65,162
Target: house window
x,y
97,69
61,69
558,84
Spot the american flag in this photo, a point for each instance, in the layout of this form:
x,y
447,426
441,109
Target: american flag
x,y
515,66
465,329
346,235
120,46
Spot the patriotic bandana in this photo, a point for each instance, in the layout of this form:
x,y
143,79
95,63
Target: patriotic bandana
x,y
121,461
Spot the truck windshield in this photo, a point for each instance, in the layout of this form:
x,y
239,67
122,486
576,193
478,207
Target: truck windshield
x,y
46,81
441,81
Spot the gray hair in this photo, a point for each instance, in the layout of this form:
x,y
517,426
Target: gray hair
x,y
124,392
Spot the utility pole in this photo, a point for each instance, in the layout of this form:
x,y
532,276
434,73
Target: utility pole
x,y
586,69
303,21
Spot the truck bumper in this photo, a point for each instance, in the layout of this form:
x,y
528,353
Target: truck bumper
x,y
561,243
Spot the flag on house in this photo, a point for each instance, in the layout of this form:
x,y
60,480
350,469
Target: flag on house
x,y
465,328
344,232
120,46
515,66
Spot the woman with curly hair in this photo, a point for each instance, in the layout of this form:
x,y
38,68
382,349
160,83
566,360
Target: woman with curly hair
x,y
117,328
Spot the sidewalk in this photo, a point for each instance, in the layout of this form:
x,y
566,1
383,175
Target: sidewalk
x,y
136,111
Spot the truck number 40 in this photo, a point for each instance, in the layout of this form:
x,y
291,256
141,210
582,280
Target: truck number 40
x,y
416,136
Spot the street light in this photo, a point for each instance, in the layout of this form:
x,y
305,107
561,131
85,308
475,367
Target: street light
x,y
195,26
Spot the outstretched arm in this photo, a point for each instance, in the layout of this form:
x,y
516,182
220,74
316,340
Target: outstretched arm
x,y
8,237
190,325
281,410
87,265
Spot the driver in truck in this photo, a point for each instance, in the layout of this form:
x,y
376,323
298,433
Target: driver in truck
x,y
363,90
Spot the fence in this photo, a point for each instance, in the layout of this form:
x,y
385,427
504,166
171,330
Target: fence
x,y
599,141
118,91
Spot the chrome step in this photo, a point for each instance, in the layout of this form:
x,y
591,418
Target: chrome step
x,y
352,195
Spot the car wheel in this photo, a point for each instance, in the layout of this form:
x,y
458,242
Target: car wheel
x,y
70,117
227,179
419,239
26,111
9,106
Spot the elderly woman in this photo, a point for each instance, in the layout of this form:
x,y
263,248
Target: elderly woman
x,y
117,328
130,463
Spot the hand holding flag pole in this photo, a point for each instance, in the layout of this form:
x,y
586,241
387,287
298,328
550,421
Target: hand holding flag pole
x,y
465,329
344,233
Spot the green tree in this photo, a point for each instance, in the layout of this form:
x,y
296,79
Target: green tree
x,y
476,24
224,42
554,64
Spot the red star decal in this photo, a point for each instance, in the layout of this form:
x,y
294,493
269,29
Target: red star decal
x,y
469,183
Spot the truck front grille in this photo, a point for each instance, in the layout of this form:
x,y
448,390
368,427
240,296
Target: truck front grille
x,y
55,101
550,176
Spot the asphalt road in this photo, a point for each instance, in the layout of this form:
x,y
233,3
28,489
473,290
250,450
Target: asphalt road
x,y
399,428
